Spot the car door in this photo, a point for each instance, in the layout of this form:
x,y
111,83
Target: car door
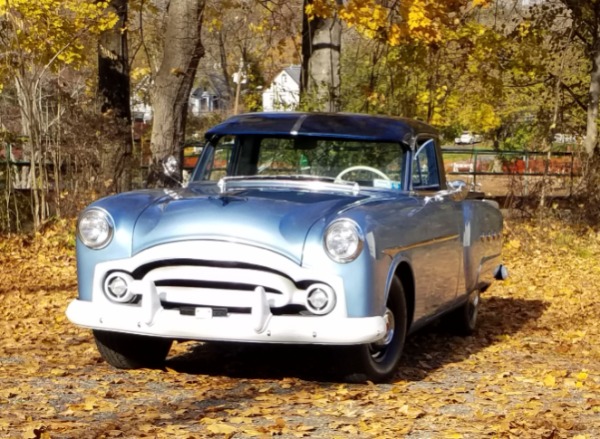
x,y
437,256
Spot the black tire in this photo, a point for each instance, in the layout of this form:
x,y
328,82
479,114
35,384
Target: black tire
x,y
463,320
378,361
132,351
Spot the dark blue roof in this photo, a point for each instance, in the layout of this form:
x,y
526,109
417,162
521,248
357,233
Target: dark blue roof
x,y
339,125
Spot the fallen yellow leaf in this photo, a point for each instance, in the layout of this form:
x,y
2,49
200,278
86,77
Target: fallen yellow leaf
x,y
221,428
549,381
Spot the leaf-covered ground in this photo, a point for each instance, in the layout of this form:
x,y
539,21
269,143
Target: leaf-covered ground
x,y
531,371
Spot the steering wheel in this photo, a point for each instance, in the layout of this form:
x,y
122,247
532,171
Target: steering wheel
x,y
361,168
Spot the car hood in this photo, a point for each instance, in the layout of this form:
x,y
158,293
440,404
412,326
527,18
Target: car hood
x,y
270,218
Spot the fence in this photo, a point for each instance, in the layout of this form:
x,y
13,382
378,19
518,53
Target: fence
x,y
498,173
16,166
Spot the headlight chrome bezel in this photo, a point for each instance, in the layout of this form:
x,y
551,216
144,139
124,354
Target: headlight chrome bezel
x,y
127,296
105,226
329,299
354,248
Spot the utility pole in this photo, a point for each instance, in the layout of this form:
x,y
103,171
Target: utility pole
x,y
237,78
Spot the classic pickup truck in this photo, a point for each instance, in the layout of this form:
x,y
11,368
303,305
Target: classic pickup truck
x,y
307,228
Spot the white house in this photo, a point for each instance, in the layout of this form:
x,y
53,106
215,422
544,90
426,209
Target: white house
x,y
284,92
211,95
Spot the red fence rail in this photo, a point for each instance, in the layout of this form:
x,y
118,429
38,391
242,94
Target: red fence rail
x,y
494,171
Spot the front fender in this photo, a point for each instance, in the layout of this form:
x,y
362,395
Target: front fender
x,y
366,279
124,210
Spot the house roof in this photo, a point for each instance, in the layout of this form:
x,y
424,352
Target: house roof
x,y
294,71
215,85
324,125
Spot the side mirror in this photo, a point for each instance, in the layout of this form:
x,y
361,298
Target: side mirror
x,y
164,173
458,190
171,171
170,166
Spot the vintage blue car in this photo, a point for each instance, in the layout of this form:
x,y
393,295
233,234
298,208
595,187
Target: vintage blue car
x,y
306,228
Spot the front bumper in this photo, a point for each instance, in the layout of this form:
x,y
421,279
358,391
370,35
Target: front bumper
x,y
256,327
193,290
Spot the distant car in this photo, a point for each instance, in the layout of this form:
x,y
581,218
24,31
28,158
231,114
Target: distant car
x,y
331,229
565,138
468,138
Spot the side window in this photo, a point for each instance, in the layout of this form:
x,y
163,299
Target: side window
x,y
425,172
216,168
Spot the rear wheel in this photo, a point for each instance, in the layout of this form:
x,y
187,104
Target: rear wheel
x,y
463,320
132,351
379,360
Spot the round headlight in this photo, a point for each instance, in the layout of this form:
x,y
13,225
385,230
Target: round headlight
x,y
343,241
95,228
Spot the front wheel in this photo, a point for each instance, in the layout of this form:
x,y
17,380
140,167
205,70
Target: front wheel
x,y
379,360
132,351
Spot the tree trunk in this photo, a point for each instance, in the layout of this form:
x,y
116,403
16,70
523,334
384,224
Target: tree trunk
x,y
27,94
174,80
591,137
114,91
224,66
591,173
321,45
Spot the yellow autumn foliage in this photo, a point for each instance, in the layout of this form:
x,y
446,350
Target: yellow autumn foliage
x,y
43,32
427,21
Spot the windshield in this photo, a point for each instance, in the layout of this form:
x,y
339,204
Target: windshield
x,y
366,163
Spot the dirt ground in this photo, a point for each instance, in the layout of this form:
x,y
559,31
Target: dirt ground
x,y
531,371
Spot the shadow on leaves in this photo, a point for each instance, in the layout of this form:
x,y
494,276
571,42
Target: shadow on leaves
x,y
425,351
434,346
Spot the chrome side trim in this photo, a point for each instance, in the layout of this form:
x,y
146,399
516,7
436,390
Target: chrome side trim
x,y
395,250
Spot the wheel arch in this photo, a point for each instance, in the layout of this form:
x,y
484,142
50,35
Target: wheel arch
x,y
405,275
